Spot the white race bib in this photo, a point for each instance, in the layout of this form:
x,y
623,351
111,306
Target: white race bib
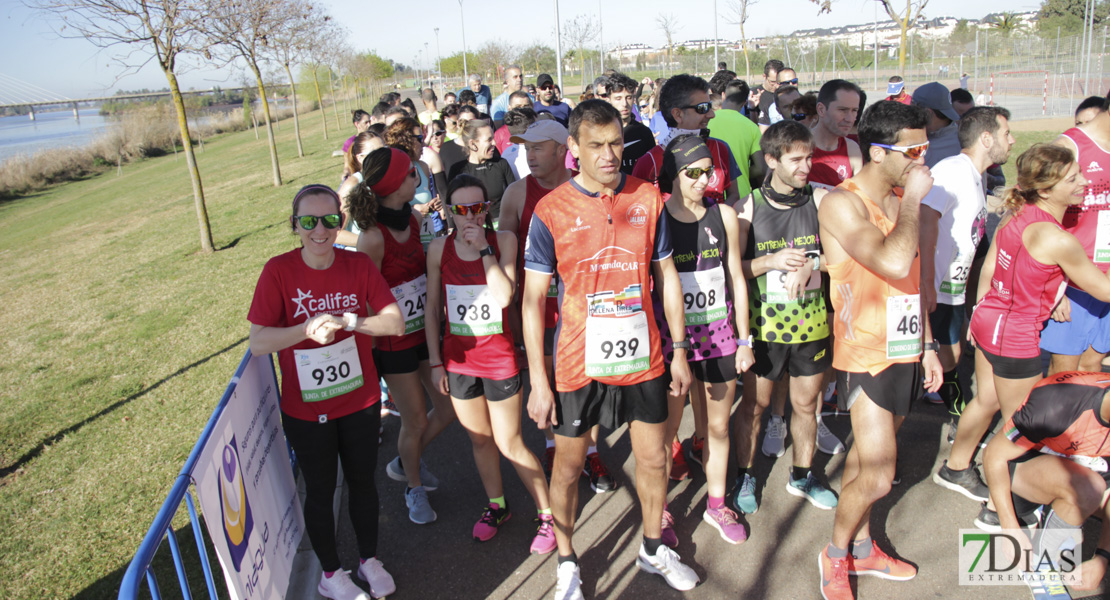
x,y
776,286
427,234
617,345
329,371
410,297
903,326
955,281
1102,237
472,311
703,293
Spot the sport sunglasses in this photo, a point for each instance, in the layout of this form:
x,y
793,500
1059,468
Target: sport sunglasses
x,y
912,152
695,172
478,208
308,222
701,108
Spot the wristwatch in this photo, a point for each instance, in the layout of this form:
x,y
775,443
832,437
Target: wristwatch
x,y
933,345
747,342
683,345
487,251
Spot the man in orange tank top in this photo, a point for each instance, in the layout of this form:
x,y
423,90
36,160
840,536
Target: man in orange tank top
x,y
870,238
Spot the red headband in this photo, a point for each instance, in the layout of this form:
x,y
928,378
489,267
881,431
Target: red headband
x,y
399,166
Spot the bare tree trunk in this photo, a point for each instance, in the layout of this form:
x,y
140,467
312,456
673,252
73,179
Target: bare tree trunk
x,y
206,244
269,125
747,62
334,101
296,118
902,44
320,101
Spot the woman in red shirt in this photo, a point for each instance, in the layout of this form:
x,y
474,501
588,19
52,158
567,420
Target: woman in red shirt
x,y
1022,280
313,307
473,271
391,237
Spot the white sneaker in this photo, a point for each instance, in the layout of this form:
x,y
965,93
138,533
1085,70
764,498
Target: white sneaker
x,y
774,440
568,585
667,563
827,441
340,587
374,573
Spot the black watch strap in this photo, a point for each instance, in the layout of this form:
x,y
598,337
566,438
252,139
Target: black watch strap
x,y
683,345
1103,553
487,251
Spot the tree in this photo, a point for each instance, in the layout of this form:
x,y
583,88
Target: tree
x,y
580,31
293,43
453,65
1006,23
162,30
245,29
1067,15
741,10
906,20
539,58
494,56
668,24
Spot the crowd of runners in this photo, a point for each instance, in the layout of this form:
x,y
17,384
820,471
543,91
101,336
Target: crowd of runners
x,y
677,240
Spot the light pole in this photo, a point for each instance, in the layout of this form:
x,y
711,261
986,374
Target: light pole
x,y
466,72
716,59
428,69
558,47
439,67
600,35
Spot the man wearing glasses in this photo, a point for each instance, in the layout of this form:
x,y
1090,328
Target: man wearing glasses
x,y
765,94
547,103
883,347
787,78
835,157
684,102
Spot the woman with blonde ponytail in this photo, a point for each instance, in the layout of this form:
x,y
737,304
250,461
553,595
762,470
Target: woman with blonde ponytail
x,y
1022,281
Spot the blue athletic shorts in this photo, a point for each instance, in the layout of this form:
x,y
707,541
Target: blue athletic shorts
x,y
1089,326
948,322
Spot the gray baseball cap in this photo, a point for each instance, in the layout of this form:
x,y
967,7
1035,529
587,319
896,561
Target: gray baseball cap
x,y
937,97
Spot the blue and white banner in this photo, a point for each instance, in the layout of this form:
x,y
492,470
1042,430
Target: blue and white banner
x,y
247,491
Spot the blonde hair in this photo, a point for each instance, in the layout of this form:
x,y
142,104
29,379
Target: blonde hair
x,y
469,132
1038,168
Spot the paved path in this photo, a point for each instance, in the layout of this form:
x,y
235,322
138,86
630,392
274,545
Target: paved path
x,y
918,521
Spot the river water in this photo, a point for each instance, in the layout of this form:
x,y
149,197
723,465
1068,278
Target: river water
x,y
56,129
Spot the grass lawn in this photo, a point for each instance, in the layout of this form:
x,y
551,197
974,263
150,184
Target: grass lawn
x,y
121,337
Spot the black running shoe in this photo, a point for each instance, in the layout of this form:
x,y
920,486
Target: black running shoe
x,y
966,482
600,479
987,520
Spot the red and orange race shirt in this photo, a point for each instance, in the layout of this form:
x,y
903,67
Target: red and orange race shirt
x,y
601,248
1062,414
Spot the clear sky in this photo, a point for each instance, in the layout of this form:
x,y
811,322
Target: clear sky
x,y
32,53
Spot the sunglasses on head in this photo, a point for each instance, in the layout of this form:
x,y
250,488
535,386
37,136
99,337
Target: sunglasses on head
x,y
308,222
789,82
911,152
701,108
695,172
478,208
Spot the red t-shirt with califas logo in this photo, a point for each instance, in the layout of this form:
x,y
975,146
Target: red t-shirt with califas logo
x,y
602,247
1082,220
289,293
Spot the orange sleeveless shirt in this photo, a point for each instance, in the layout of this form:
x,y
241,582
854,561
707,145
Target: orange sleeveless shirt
x,y
860,299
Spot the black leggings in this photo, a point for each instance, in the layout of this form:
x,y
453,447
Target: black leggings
x,y
354,440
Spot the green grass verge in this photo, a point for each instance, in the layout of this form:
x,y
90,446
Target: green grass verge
x,y
120,338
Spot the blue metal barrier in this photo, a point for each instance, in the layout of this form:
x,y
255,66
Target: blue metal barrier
x,y
162,528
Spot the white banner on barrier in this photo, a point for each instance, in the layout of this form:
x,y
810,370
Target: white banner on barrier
x,y
247,491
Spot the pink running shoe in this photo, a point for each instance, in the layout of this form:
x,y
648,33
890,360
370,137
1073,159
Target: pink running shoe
x,y
669,538
492,518
544,542
724,521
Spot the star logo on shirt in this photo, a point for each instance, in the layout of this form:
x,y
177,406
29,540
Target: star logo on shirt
x,y
299,301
